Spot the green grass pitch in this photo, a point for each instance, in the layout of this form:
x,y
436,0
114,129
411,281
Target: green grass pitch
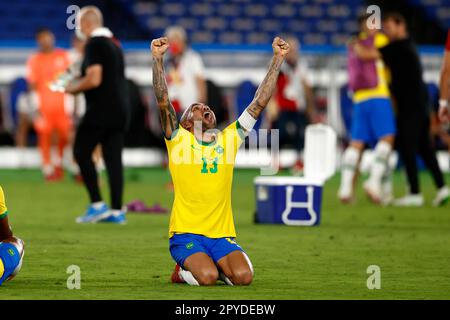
x,y
411,246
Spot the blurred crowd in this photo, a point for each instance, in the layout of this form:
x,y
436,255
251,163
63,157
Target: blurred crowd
x,y
47,118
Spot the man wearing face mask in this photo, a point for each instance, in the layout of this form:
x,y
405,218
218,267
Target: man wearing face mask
x,y
103,83
185,71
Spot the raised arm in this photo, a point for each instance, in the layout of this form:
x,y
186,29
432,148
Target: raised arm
x,y
167,114
266,88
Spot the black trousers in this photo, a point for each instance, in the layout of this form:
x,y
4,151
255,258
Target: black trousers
x,y
413,138
111,141
292,126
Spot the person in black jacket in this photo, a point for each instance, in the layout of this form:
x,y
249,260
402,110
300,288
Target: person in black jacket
x,y
104,85
413,109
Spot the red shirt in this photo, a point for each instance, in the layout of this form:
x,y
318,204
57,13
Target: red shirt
x,y
285,104
447,45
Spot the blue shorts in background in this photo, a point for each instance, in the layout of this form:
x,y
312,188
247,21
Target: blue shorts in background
x,y
184,245
372,120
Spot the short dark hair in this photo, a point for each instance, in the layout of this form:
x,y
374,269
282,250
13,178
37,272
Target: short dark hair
x,y
42,30
396,16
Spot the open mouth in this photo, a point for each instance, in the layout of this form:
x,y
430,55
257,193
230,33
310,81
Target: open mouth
x,y
207,115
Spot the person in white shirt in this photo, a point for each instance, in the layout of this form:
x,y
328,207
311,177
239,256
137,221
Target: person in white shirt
x,y
292,107
185,71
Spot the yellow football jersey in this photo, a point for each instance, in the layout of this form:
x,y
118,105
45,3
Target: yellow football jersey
x,y
382,89
202,175
3,209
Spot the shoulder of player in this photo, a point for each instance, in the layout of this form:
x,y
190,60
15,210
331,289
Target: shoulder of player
x,y
98,41
232,128
62,52
33,57
177,133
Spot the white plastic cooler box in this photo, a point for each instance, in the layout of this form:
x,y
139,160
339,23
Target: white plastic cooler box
x,y
297,201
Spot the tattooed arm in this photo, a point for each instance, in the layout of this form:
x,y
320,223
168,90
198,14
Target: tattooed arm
x,y
168,117
266,88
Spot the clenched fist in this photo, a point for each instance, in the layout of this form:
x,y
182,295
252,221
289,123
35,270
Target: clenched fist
x,y
159,46
280,47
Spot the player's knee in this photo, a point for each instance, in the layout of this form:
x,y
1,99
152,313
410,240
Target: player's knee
x,y
242,277
207,277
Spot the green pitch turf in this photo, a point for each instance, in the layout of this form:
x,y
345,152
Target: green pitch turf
x,y
411,246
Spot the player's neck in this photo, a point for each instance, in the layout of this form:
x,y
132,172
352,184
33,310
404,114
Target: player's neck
x,y
47,51
205,136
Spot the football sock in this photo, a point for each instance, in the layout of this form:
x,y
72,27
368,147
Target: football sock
x,y
249,262
225,279
116,213
386,180
349,163
98,205
380,164
188,277
47,169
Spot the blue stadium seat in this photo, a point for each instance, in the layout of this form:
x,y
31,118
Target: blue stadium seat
x,y
188,23
228,10
202,37
215,23
201,9
258,38
257,10
173,9
231,37
270,25
210,19
283,11
243,24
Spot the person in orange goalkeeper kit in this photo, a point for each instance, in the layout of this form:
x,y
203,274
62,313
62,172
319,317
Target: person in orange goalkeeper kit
x,y
44,67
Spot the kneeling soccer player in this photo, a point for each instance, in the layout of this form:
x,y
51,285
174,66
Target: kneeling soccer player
x,y
11,248
201,162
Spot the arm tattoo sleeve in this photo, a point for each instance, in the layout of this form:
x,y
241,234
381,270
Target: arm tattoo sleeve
x,y
266,88
168,117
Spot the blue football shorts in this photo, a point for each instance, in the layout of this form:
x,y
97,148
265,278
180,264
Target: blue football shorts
x,y
184,245
372,120
10,259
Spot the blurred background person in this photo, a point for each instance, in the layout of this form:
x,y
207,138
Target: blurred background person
x,y
293,103
53,122
413,109
105,120
413,104
373,118
27,108
78,102
76,55
185,71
